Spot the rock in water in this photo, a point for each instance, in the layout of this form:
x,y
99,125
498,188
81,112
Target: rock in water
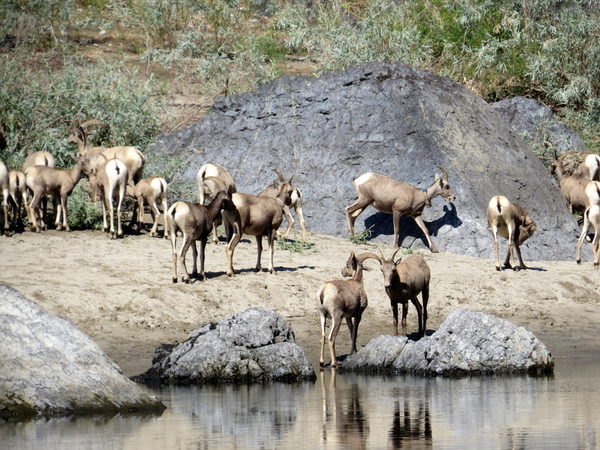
x,y
256,345
468,342
49,367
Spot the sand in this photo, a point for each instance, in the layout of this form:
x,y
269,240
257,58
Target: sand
x,y
120,292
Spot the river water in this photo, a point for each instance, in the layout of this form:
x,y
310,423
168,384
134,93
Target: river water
x,y
341,411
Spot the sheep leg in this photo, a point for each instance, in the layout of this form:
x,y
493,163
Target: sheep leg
x,y
119,210
404,314
353,327
353,211
336,322
167,231
175,255
395,317
425,298
415,301
259,252
496,249
215,234
202,253
596,248
104,222
33,208
111,211
323,317
298,209
235,239
585,229
421,224
271,237
290,220
155,215
5,196
64,209
139,212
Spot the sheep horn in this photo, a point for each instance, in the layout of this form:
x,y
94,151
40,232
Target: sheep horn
x,y
291,178
280,175
364,256
444,173
89,123
394,255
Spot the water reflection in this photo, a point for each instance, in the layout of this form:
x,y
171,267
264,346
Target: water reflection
x,y
348,412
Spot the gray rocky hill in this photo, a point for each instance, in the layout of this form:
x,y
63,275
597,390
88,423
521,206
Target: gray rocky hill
x,y
387,118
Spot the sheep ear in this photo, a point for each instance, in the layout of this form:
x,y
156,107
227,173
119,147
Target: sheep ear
x,y
398,261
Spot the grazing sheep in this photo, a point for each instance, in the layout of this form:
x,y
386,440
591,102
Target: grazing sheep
x,y
150,190
512,222
295,201
208,187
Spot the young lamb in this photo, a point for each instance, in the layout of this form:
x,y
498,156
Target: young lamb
x,y
150,190
18,196
343,299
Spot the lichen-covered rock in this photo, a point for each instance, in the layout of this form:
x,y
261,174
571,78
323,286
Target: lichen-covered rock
x,y
49,367
468,342
387,118
256,345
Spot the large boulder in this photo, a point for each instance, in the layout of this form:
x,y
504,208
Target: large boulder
x,y
468,342
48,367
392,119
536,124
253,346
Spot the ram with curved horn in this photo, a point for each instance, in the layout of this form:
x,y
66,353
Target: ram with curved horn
x,y
397,198
130,156
295,201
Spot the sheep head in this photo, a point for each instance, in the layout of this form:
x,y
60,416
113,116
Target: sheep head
x,y
445,190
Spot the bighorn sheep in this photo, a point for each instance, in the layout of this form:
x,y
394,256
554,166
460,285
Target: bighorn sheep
x,y
44,180
343,299
41,158
256,216
4,185
208,188
130,156
38,159
591,218
404,280
512,222
150,190
572,186
295,202
110,179
400,199
586,165
18,195
195,222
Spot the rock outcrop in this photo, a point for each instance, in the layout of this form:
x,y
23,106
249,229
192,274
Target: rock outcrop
x,y
253,346
535,122
48,367
468,342
392,119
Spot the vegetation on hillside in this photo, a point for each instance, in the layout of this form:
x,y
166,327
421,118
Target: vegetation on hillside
x,y
135,64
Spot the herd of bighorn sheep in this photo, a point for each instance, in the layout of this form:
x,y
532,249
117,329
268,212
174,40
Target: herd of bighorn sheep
x,y
117,172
